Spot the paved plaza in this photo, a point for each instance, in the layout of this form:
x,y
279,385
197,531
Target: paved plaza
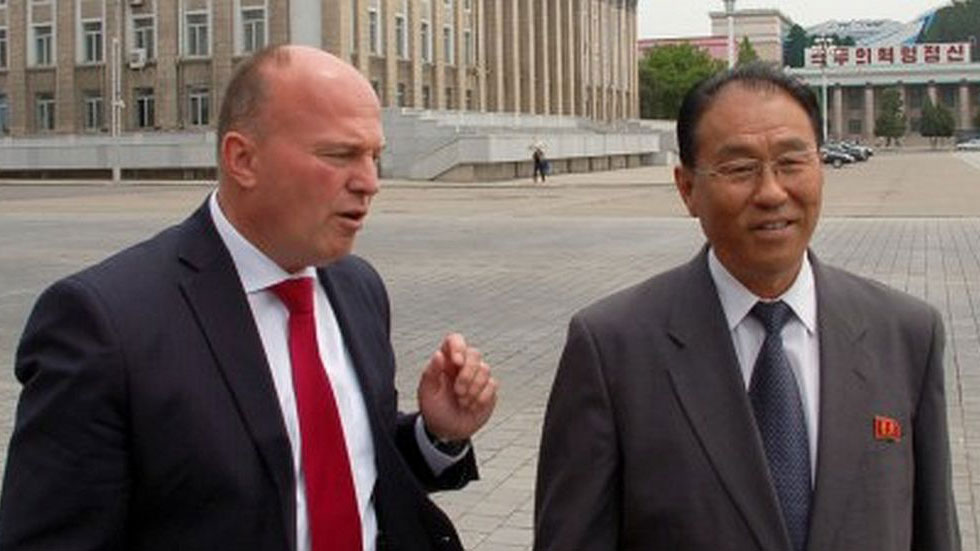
x,y
508,263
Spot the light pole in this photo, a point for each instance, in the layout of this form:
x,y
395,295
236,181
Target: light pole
x,y
823,42
115,77
730,12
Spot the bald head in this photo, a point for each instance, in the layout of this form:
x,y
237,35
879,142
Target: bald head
x,y
252,89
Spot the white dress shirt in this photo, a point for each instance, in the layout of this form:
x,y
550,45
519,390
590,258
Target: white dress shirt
x,y
257,273
800,339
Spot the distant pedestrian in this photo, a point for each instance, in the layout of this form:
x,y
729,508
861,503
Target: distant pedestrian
x,y
540,163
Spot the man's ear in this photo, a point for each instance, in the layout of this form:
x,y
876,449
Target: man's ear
x,y
238,159
684,180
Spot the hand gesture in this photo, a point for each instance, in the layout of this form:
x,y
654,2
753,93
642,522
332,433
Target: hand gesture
x,y
456,392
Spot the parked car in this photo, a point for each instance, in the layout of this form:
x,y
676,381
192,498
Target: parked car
x,y
835,156
969,145
867,150
854,150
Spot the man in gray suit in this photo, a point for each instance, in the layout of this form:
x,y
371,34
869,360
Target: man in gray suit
x,y
753,398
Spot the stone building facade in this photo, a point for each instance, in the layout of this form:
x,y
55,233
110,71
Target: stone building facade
x,y
551,57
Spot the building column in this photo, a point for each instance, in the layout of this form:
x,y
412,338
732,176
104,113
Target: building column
x,y
556,54
222,54
571,56
480,37
512,56
166,81
415,49
528,58
542,84
17,103
360,38
965,122
64,60
494,44
838,111
439,57
462,64
390,86
933,92
869,112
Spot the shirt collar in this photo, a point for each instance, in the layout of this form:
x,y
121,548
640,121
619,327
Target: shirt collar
x,y
256,270
737,300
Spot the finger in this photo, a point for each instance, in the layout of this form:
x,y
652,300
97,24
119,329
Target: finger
x,y
479,381
466,374
454,348
488,396
431,375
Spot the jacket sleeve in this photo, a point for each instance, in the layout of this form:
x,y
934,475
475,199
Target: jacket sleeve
x,y
934,525
578,495
67,479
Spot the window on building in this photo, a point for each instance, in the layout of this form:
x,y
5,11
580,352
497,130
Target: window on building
x,y
447,45
197,34
44,112
94,111
199,106
143,35
145,111
42,45
450,100
855,98
426,96
400,93
92,41
469,100
401,37
4,115
449,12
468,47
855,126
426,43
374,32
3,48
253,29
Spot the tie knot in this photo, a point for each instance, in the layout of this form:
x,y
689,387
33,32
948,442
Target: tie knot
x,y
773,315
296,294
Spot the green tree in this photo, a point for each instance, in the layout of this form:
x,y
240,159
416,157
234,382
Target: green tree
x,y
937,122
794,49
746,53
955,23
976,121
890,123
667,73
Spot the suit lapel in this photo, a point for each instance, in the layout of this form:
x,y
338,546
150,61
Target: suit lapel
x,y
352,317
214,292
709,386
845,418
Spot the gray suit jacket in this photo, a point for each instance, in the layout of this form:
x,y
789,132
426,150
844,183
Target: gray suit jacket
x,y
650,443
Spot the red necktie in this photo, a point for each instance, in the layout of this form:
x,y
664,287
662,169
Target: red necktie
x,y
331,503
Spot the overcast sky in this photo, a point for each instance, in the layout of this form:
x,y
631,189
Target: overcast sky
x,y
671,18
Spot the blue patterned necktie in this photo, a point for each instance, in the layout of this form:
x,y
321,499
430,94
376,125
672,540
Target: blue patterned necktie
x,y
778,409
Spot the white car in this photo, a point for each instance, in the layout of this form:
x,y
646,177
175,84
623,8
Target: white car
x,y
969,145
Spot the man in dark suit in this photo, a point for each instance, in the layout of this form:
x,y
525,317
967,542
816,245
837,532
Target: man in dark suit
x,y
229,384
753,398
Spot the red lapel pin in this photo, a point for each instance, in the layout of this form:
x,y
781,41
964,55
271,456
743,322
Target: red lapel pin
x,y
887,428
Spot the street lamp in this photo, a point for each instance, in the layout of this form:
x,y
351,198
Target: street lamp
x,y
823,42
730,12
